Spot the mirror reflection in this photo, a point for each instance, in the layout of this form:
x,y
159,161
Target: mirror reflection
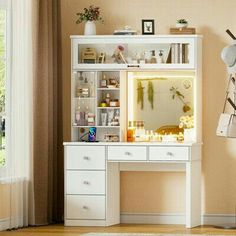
x,y
160,99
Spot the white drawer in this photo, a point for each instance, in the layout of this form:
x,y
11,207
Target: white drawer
x,y
85,157
85,207
127,153
85,182
168,154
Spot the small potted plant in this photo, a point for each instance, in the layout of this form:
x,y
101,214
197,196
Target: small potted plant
x,y
89,16
181,23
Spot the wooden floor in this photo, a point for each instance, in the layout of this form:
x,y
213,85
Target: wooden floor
x,y
60,230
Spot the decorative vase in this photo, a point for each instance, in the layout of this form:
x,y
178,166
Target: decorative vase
x,y
181,25
90,28
189,135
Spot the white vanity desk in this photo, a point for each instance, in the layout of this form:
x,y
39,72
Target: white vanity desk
x,y
92,170
92,189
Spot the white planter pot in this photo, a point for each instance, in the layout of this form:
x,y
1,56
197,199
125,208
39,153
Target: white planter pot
x,y
180,25
90,28
189,135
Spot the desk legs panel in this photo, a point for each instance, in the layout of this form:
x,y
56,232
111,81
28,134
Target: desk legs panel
x,y
113,194
193,194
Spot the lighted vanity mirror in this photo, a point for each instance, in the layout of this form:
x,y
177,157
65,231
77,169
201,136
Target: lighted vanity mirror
x,y
160,98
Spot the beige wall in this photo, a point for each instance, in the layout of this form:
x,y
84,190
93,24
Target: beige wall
x,y
211,18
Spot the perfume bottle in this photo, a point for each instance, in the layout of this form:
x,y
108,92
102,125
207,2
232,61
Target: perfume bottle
x,y
77,116
153,58
103,83
86,116
108,99
130,132
160,58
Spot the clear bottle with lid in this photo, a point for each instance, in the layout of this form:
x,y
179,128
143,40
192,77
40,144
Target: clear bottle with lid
x,y
77,115
103,82
139,131
86,116
108,99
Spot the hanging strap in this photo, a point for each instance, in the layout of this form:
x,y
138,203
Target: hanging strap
x,y
227,92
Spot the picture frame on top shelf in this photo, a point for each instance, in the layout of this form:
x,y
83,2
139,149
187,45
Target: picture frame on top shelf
x,y
148,27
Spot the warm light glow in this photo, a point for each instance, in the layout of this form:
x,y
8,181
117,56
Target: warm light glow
x,y
130,97
159,75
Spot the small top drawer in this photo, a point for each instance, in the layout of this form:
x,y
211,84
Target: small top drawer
x,y
127,153
85,157
169,154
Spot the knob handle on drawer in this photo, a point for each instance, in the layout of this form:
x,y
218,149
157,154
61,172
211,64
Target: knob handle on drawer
x,y
85,207
86,158
86,182
128,153
169,154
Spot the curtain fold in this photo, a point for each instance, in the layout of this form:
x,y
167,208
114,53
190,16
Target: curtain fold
x,y
16,176
47,140
33,194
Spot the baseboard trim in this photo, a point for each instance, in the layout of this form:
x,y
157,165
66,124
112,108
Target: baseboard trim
x,y
172,218
152,218
217,219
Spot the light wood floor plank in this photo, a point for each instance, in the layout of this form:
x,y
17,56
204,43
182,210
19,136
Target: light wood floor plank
x,y
60,230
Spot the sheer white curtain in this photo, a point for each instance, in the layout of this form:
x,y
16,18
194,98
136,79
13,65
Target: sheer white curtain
x,y
16,186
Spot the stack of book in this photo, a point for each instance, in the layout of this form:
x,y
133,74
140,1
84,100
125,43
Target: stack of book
x,y
125,32
182,30
179,53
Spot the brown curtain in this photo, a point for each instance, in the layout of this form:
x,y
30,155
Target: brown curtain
x,y
47,120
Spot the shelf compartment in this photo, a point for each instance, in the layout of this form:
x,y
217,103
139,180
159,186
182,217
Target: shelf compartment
x,y
133,45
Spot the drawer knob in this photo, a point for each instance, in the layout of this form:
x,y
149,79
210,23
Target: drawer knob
x,y
128,153
86,158
86,182
169,154
85,207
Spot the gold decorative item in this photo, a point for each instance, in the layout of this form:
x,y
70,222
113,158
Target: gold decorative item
x,y
140,94
187,84
180,137
180,96
150,93
88,55
111,138
187,123
170,129
102,57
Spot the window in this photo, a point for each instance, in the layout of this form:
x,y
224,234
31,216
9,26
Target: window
x,y
4,77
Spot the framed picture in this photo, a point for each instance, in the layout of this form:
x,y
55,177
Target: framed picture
x,y
148,27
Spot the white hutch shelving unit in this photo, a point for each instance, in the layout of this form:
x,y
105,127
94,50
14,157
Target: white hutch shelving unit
x,y
92,168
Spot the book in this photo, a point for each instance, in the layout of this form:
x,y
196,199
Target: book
x,y
182,31
172,53
181,53
125,32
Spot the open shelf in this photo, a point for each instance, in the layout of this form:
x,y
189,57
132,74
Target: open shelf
x,y
154,66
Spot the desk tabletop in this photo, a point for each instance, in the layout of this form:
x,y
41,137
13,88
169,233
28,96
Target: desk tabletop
x,y
189,144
